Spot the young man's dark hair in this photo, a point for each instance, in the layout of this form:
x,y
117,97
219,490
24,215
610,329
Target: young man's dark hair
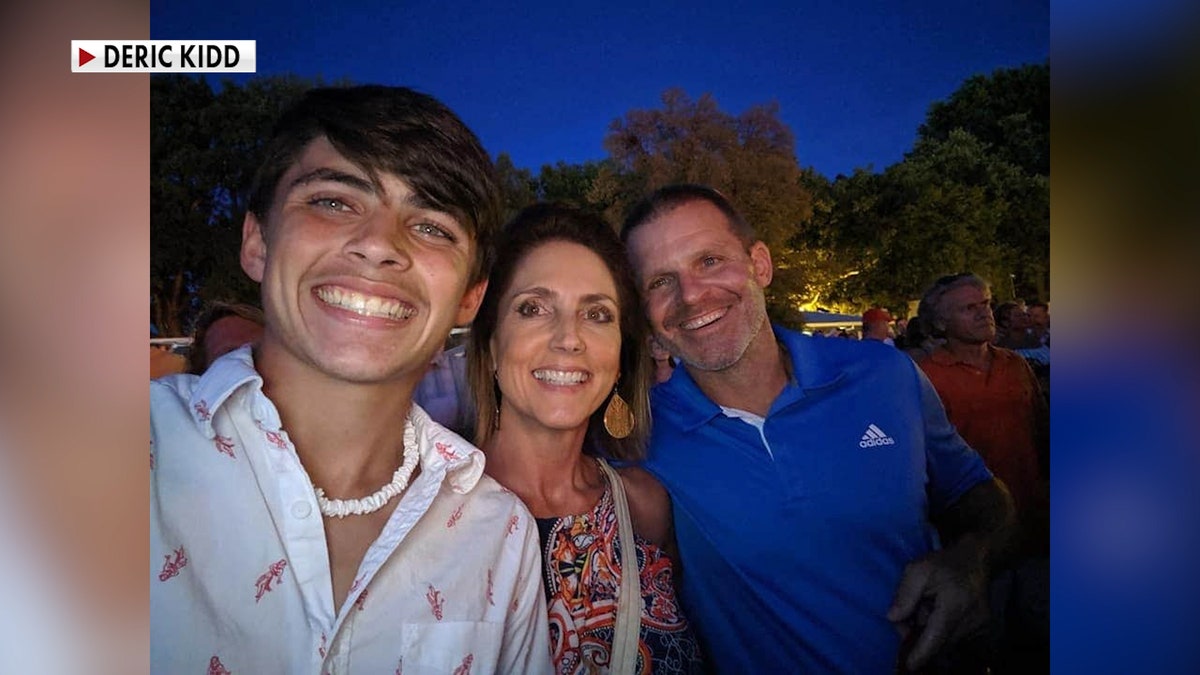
x,y
398,131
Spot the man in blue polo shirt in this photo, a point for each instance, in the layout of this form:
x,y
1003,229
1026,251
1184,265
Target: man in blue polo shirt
x,y
806,474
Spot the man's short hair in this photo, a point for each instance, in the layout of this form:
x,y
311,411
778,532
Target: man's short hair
x,y
1003,313
398,131
930,310
667,199
214,312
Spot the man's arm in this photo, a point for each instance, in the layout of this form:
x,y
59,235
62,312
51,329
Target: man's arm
x,y
942,597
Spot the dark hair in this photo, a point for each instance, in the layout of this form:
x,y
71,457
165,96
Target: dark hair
x,y
667,199
216,310
532,227
398,131
929,310
1003,313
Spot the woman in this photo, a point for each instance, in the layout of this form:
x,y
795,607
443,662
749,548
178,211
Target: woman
x,y
559,370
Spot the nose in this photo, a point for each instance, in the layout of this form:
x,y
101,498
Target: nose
x,y
378,240
689,288
566,336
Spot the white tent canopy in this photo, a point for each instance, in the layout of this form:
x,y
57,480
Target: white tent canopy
x,y
825,320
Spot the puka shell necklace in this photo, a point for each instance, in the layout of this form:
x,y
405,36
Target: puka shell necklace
x,y
340,508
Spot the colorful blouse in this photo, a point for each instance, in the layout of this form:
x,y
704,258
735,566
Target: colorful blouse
x,y
582,571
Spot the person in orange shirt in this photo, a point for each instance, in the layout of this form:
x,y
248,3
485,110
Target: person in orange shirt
x,y
993,398
990,393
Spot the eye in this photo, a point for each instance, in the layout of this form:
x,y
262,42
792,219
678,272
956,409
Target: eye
x,y
330,204
529,308
430,229
656,283
599,314
709,261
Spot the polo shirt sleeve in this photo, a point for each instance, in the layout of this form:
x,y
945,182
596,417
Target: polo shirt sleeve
x,y
953,466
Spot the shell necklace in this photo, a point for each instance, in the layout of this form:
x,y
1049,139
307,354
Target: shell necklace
x,y
340,508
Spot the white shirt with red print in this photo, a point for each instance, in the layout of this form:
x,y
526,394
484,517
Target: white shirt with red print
x,y
240,579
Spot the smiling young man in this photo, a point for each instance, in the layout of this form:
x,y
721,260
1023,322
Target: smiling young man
x,y
305,516
804,472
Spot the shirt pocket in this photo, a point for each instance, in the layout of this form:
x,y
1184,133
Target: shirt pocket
x,y
447,647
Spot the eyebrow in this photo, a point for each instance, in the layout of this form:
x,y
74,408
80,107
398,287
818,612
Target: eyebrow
x,y
335,176
542,291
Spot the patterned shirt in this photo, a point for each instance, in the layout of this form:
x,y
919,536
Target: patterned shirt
x,y
240,579
582,576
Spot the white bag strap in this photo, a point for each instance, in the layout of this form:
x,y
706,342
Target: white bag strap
x,y
628,626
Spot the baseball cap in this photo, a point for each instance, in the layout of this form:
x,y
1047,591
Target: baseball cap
x,y
875,315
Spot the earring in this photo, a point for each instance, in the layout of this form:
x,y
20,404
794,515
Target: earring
x,y
618,418
496,393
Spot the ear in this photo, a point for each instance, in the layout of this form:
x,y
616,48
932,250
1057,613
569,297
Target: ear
x,y
760,260
254,248
470,302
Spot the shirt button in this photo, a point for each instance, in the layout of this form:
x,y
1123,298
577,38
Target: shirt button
x,y
301,509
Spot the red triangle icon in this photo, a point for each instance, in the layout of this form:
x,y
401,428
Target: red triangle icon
x,y
84,57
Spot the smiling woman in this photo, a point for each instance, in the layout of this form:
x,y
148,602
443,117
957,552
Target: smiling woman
x,y
560,368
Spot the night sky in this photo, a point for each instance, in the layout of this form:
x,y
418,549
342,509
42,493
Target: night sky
x,y
543,82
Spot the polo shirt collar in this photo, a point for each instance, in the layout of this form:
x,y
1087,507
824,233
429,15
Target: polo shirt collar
x,y
811,371
943,357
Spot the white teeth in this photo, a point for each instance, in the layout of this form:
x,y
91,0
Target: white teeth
x,y
702,321
561,376
364,305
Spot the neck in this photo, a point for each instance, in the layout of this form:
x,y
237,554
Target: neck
x,y
753,383
546,468
349,436
974,353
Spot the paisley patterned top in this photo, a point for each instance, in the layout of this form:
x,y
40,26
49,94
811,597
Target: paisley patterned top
x,y
582,572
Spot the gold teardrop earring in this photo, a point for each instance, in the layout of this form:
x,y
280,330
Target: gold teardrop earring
x,y
496,392
618,418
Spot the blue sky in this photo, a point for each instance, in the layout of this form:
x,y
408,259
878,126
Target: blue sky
x,y
543,82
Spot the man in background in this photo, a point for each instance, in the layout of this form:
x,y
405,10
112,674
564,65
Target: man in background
x,y
222,328
877,325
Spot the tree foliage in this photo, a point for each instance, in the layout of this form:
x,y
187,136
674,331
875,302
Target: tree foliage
x,y
749,157
1008,110
204,148
972,194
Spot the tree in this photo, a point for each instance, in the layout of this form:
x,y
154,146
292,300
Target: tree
x,y
204,148
942,210
1008,110
517,186
968,196
750,158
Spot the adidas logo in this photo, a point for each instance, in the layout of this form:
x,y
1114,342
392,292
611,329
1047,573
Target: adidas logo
x,y
874,436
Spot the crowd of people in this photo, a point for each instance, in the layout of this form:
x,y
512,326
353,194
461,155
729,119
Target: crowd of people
x,y
626,467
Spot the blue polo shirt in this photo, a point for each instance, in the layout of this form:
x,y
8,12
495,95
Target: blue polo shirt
x,y
793,538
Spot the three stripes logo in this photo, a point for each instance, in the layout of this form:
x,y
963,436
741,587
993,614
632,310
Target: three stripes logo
x,y
874,436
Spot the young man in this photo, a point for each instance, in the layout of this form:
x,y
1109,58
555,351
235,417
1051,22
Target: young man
x,y
803,471
274,547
